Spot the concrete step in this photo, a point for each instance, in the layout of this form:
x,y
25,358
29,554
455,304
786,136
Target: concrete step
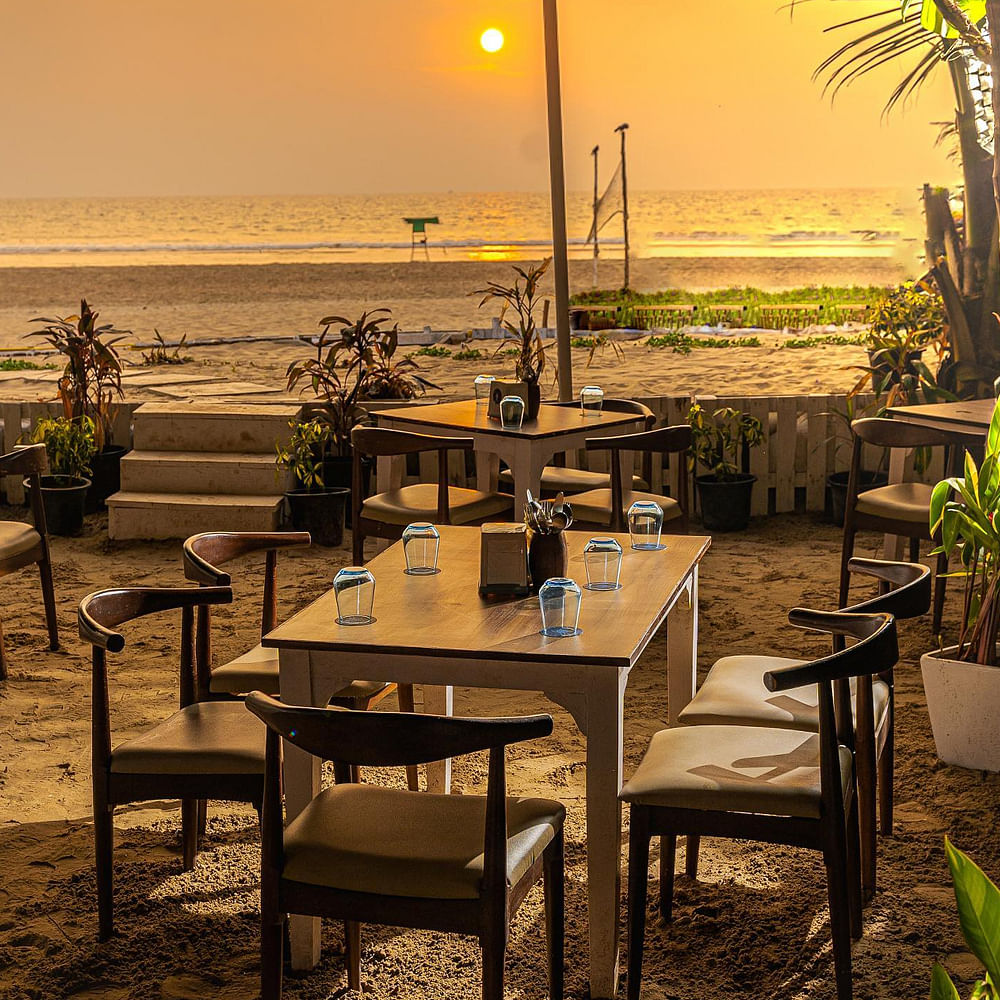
x,y
231,427
177,515
202,472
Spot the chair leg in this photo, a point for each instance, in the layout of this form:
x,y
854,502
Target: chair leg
x,y
853,858
272,940
691,855
638,876
885,769
867,796
668,852
835,857
352,954
189,831
914,550
104,837
358,545
202,816
404,692
494,948
847,550
49,599
939,585
4,670
555,919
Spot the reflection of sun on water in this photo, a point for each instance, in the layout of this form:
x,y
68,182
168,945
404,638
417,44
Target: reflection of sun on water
x,y
491,40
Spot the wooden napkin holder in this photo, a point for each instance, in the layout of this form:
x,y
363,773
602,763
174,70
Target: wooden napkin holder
x,y
501,389
503,560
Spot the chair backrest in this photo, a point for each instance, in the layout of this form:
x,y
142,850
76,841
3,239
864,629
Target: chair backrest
x,y
32,463
381,441
99,616
911,597
205,552
392,739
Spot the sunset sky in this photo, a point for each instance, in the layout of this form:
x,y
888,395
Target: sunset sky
x,y
114,97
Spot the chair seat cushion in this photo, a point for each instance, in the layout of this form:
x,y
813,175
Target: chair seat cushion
x,y
16,539
594,506
419,503
257,670
558,480
210,737
900,501
397,843
773,772
733,693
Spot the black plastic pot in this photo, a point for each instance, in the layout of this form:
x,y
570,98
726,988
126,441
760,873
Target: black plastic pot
x,y
320,512
534,401
837,483
64,499
107,476
725,503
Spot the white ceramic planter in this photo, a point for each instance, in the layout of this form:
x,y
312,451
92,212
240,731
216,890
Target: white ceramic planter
x,y
963,701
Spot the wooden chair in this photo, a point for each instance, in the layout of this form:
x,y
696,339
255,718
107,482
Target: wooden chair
x,y
558,478
734,694
362,854
206,750
774,785
608,507
896,509
385,515
257,669
21,544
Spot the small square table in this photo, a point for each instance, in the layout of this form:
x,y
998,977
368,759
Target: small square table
x,y
526,451
436,631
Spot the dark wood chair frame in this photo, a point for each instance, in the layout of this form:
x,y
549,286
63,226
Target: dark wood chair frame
x,y
31,463
99,616
883,432
834,833
379,740
674,440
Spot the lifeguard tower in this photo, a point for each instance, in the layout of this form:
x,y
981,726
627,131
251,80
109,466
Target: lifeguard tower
x,y
418,233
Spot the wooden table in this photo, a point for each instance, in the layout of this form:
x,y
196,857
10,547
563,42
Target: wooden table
x,y
436,631
527,451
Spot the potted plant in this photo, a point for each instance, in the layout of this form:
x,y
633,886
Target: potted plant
x,y
837,482
313,506
962,682
720,442
70,446
522,334
91,383
904,323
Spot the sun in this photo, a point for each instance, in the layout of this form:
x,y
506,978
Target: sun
x,y
491,40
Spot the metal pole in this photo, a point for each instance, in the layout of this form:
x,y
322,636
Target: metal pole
x,y
557,184
597,251
623,129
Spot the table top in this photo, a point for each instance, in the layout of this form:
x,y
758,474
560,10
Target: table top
x,y
466,415
443,615
969,413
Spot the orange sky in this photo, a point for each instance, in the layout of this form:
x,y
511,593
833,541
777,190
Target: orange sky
x,y
118,97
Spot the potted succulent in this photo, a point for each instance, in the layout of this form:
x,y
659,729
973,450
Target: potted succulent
x,y
522,334
720,442
91,383
70,445
962,682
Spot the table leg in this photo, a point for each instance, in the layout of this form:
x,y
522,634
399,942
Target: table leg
x,y
526,467
682,648
439,700
487,471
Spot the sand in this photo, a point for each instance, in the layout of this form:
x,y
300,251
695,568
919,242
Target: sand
x,y
755,924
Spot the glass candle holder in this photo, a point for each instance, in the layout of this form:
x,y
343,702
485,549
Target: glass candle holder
x,y
591,400
511,413
421,542
603,559
354,588
559,599
484,385
645,521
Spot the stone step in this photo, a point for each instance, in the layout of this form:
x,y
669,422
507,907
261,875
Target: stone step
x,y
231,427
134,515
202,472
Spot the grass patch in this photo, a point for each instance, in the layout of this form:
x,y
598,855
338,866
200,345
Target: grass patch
x,y
469,354
587,342
837,339
433,351
682,343
21,365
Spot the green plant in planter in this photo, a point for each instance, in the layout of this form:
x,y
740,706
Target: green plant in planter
x,y
69,444
978,902
719,439
303,455
964,511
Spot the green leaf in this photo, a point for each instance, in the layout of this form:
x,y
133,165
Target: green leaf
x,y
942,988
932,20
978,902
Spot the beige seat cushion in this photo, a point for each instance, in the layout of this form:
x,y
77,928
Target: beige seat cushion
x,y
733,693
16,538
773,772
901,501
397,843
419,503
257,670
594,506
211,737
556,480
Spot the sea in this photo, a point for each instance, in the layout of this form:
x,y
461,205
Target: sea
x,y
827,223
